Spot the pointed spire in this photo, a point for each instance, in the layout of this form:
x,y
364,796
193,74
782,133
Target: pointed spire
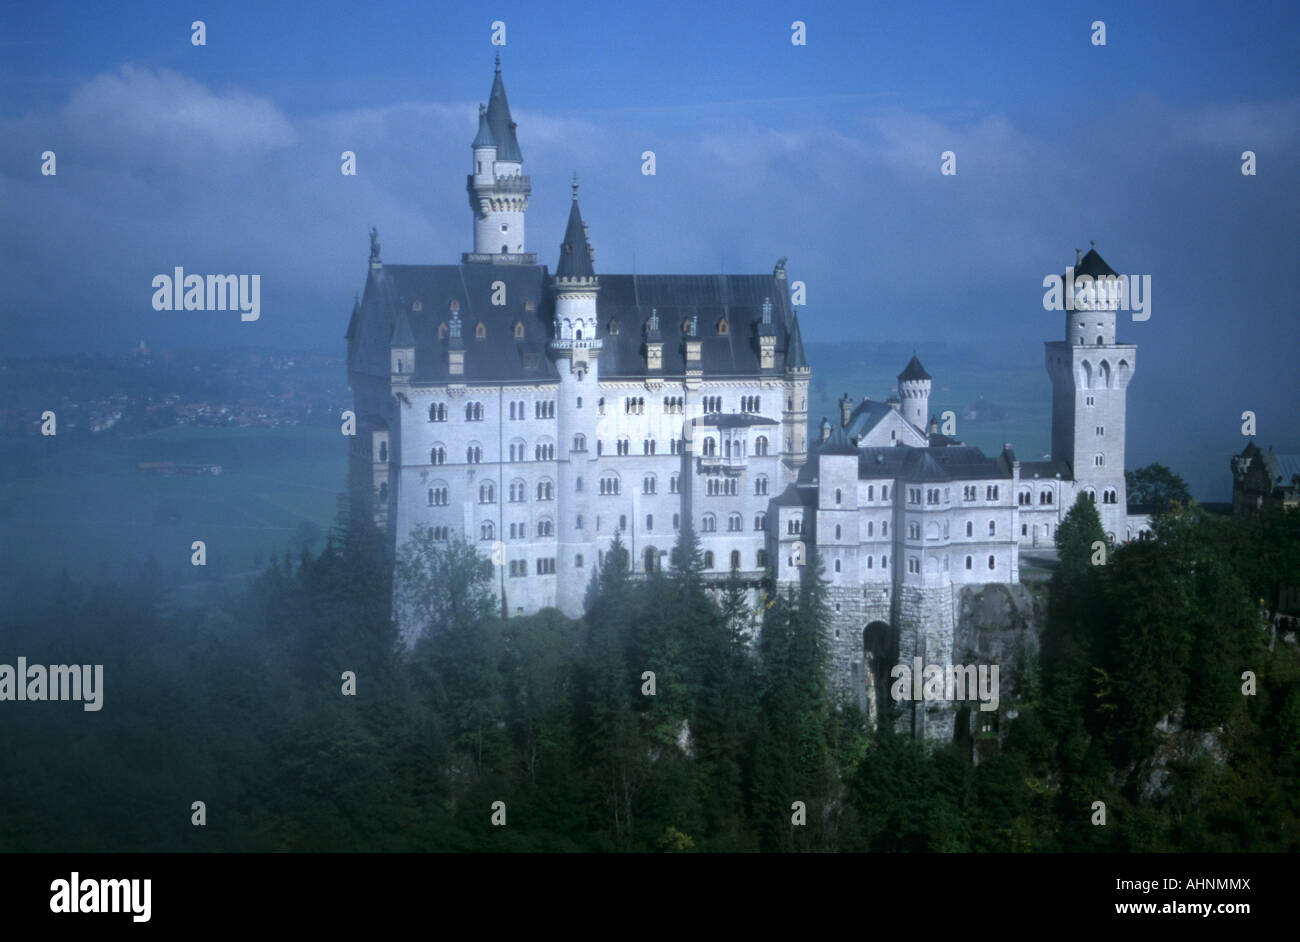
x,y
794,358
498,117
484,137
575,251
913,370
575,186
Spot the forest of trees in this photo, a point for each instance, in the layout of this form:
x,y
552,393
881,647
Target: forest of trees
x,y
239,703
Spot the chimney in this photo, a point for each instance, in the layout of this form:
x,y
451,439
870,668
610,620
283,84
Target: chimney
x,y
846,410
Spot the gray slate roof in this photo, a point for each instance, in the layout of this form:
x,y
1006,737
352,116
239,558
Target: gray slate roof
x,y
1045,469
575,250
498,117
1092,264
627,299
919,465
913,370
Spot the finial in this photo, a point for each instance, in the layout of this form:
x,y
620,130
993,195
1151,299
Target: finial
x,y
482,109
498,62
575,184
1078,256
1092,243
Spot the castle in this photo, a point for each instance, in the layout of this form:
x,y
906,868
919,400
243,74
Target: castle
x,y
538,414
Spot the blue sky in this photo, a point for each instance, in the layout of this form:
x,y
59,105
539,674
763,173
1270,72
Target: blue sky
x,y
225,158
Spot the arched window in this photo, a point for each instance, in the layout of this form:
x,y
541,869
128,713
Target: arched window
x,y
837,565
474,454
438,454
545,490
837,531
760,521
708,559
760,484
760,559
609,485
674,483
649,522
438,495
992,561
544,528
518,491
710,446
735,560
993,528
579,442
709,524
487,493
383,451
437,412
735,522
649,484
970,529
486,531
760,445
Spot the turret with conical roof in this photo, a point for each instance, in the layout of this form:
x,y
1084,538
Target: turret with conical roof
x,y
794,417
498,190
575,331
914,393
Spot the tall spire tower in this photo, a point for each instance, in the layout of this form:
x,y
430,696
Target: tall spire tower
x,y
498,190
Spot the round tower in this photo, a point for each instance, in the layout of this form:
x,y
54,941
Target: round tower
x,y
576,351
498,190
914,393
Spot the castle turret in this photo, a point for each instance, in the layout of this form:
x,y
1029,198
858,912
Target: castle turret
x,y
498,190
914,393
794,419
1090,373
576,348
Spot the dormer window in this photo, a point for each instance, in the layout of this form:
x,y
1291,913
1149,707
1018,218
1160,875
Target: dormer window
x,y
416,305
723,328
530,305
453,305
519,330
480,331
613,328
442,331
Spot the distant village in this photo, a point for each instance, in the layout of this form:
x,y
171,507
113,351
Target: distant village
x,y
143,391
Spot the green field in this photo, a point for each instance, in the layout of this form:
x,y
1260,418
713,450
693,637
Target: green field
x,y
82,504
